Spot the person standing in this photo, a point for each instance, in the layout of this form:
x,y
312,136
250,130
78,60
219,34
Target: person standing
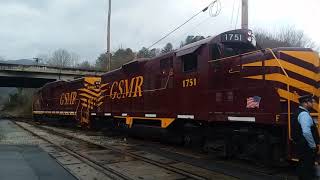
x,y
305,137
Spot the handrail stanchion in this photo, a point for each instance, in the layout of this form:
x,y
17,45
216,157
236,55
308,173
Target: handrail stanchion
x,y
288,89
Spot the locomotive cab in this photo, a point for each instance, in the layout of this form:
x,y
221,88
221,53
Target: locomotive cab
x,y
233,43
252,93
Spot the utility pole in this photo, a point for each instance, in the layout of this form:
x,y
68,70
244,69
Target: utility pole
x,y
108,38
244,16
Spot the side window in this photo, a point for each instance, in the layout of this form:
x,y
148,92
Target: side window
x,y
166,63
215,52
170,82
225,96
166,67
218,96
189,62
228,51
230,96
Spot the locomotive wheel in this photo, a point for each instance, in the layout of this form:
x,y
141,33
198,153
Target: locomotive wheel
x,y
187,140
206,148
264,153
229,147
191,140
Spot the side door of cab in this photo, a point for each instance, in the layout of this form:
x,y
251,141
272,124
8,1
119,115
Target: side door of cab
x,y
187,84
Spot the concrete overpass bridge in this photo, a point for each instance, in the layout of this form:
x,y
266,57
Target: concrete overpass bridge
x,y
35,76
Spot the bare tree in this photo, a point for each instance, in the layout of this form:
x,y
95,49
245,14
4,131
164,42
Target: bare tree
x,y
85,65
285,37
75,58
62,58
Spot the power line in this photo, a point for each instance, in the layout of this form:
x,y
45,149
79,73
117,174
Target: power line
x,y
211,13
194,27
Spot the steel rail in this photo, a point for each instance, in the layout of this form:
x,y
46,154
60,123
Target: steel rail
x,y
114,174
135,156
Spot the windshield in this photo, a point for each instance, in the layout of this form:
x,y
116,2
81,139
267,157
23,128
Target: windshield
x,y
235,49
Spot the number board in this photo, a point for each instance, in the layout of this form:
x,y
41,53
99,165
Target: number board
x,y
189,82
232,37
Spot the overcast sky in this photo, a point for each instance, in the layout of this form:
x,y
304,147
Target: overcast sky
x,y
32,27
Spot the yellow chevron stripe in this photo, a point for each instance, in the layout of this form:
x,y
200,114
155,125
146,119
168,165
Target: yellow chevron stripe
x,y
92,80
87,96
254,77
90,92
292,67
307,56
288,66
93,89
93,99
294,97
288,95
292,82
87,102
100,98
99,104
84,100
85,105
103,85
97,89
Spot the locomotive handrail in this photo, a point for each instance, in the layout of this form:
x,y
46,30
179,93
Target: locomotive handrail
x,y
282,68
162,88
288,89
214,60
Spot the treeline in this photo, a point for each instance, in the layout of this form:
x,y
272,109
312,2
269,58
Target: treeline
x,y
124,55
18,103
64,58
284,37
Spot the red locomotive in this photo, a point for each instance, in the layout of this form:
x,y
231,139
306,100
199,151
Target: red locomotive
x,y
222,90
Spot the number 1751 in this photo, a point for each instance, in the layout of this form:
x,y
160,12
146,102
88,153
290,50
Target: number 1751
x,y
189,82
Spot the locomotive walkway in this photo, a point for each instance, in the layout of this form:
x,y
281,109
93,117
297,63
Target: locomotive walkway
x,y
34,76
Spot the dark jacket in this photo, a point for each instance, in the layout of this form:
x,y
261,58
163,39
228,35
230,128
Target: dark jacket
x,y
297,134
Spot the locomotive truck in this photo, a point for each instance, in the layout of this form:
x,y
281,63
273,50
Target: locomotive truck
x,y
222,91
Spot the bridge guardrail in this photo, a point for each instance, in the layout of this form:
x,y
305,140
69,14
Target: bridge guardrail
x,y
46,69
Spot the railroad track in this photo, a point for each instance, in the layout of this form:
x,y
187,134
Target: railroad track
x,y
170,168
236,168
109,172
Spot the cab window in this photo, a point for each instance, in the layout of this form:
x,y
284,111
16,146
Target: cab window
x,y
166,66
166,63
215,52
189,62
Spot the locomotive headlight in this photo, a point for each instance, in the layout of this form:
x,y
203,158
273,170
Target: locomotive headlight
x,y
249,38
249,33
